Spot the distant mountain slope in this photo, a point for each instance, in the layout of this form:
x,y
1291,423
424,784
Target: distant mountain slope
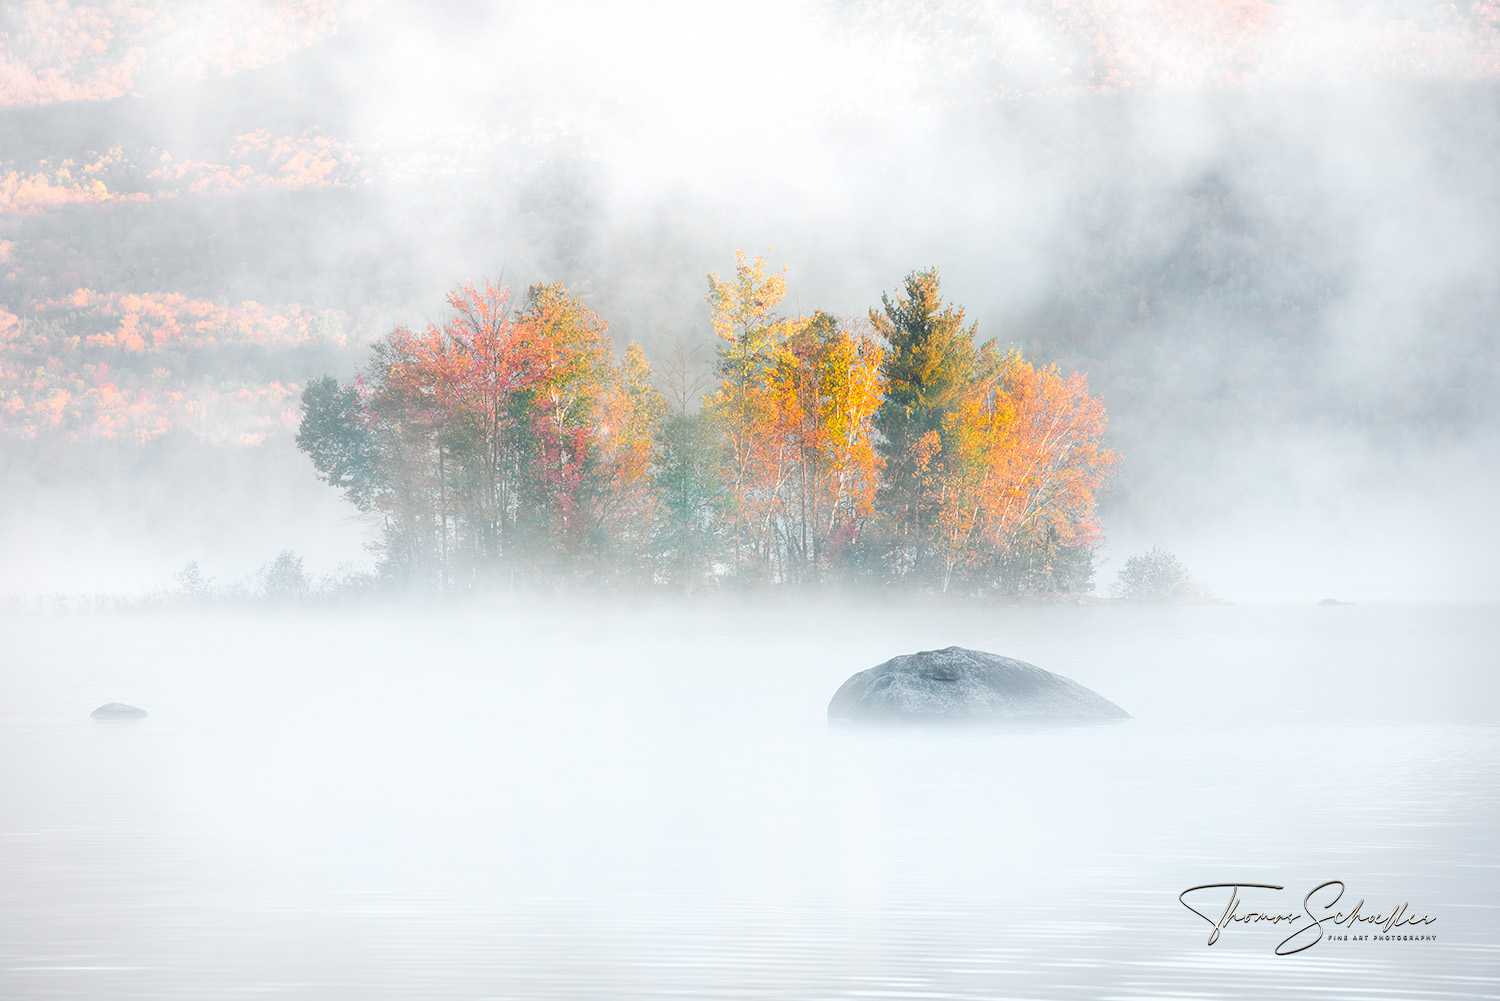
x,y
79,51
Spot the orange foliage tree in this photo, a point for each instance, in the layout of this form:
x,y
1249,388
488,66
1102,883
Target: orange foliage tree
x,y
1026,460
497,441
794,407
825,384
749,330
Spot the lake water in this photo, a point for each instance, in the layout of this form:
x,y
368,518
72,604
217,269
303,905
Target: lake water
x,y
617,802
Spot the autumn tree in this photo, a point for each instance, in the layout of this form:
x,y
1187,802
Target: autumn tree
x,y
417,451
824,386
1026,458
749,330
623,503
744,317
557,411
445,400
494,441
793,411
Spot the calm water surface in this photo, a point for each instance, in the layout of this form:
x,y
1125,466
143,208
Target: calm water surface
x,y
613,803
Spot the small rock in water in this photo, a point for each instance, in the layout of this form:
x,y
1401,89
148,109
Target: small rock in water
x,y
960,684
117,710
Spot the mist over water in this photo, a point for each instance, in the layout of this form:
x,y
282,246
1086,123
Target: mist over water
x,y
588,802
1268,235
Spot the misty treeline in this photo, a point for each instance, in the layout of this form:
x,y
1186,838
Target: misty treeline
x,y
283,581
507,445
1158,577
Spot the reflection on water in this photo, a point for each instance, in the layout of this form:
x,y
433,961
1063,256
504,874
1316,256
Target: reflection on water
x,y
651,804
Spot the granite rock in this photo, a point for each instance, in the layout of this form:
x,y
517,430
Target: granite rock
x,y
117,710
966,685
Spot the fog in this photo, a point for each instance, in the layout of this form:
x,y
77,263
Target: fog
x,y
587,800
1268,235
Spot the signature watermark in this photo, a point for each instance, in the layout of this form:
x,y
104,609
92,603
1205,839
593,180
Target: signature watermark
x,y
1321,912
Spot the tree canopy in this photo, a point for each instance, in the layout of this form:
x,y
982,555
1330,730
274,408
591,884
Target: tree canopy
x,y
890,450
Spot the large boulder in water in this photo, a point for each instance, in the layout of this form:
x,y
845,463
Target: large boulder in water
x,y
117,710
960,684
